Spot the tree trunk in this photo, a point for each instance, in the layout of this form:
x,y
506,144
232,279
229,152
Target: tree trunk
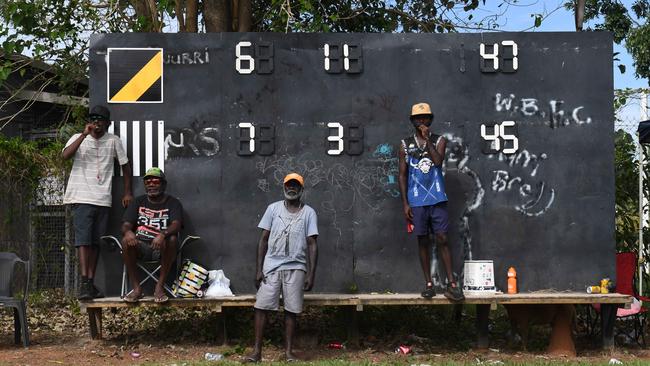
x,y
217,15
244,15
192,16
156,25
143,9
579,14
179,8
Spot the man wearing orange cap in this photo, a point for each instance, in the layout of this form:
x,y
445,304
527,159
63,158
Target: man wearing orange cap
x,y
422,186
286,261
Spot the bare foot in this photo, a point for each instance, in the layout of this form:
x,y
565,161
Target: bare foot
x,y
134,295
160,296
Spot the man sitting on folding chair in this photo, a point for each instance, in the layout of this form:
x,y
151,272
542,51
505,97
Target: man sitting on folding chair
x,y
150,233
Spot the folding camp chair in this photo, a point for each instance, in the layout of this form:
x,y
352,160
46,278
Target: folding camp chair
x,y
8,263
150,268
630,322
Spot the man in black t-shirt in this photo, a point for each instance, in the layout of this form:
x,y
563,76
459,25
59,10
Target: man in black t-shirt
x,y
150,232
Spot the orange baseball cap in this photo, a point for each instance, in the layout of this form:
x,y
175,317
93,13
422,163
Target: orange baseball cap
x,y
294,176
420,109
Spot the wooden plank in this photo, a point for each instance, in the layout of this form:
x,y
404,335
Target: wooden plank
x,y
377,299
51,98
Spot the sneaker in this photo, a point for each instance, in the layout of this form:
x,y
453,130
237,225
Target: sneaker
x,y
85,291
454,293
428,292
95,292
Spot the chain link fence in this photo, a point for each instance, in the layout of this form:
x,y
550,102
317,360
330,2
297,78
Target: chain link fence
x,y
631,113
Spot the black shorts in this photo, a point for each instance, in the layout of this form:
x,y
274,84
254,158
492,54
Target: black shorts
x,y
90,223
146,252
431,219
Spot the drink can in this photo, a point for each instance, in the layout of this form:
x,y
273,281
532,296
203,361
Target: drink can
x,y
409,227
213,356
604,286
403,349
593,289
335,346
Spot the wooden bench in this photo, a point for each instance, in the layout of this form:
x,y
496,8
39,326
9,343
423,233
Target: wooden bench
x,y
356,302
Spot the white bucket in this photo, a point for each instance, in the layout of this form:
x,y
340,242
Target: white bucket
x,y
479,277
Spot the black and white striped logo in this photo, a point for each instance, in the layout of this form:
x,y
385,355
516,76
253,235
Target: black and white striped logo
x,y
144,142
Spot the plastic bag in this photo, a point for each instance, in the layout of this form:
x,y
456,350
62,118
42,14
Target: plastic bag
x,y
219,284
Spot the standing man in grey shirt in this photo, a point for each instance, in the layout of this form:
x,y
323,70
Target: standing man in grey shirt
x,y
286,261
89,190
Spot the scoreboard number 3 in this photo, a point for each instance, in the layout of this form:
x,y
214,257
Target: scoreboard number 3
x,y
344,138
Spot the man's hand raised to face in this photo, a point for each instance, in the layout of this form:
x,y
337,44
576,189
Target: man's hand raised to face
x,y
425,131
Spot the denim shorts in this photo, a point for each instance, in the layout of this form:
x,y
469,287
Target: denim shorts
x,y
90,223
430,219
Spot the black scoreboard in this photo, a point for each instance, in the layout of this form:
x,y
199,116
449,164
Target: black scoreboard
x,y
529,166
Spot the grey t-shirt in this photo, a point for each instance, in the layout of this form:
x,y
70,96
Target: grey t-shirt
x,y
288,238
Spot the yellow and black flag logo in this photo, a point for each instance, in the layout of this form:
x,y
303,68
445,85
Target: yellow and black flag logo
x,y
135,75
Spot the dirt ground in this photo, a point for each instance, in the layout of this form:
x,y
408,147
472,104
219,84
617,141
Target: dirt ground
x,y
59,335
53,349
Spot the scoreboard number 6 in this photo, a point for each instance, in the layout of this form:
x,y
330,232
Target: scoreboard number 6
x,y
262,63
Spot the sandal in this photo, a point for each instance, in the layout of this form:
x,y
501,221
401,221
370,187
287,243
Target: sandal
x,y
252,359
454,293
131,298
160,299
428,292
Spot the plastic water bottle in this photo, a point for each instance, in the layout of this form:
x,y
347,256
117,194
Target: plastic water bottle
x,y
213,356
512,280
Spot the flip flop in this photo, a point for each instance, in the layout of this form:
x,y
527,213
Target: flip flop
x,y
161,299
130,298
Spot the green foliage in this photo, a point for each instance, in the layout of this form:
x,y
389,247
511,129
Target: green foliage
x,y
627,191
630,25
638,45
25,163
359,16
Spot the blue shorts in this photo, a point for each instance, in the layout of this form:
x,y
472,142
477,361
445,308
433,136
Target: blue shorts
x,y
430,219
90,223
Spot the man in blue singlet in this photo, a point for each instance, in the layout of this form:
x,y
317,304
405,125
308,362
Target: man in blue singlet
x,y
422,186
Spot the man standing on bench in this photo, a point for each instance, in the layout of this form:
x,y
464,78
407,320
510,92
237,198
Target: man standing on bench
x,y
424,200
288,241
89,190
150,227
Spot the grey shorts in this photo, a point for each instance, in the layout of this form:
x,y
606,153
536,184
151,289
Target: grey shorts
x,y
290,282
90,223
